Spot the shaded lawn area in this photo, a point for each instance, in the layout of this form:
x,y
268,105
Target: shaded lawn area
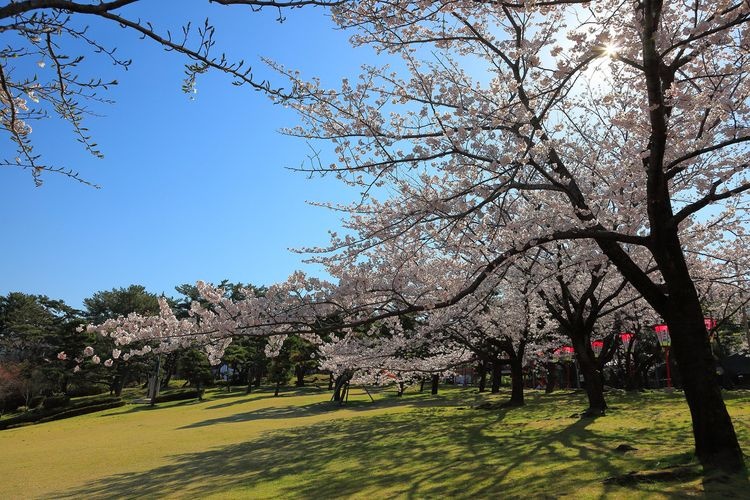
x,y
300,445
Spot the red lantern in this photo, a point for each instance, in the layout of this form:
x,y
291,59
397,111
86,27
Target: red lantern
x,y
626,338
565,353
662,332
710,324
597,346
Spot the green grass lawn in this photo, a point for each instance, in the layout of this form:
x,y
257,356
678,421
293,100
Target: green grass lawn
x,y
300,445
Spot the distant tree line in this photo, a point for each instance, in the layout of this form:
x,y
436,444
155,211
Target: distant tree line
x,y
40,339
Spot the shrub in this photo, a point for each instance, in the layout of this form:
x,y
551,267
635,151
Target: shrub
x,y
55,401
178,395
72,409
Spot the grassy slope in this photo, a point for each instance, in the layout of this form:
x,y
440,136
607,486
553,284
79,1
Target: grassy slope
x,y
417,446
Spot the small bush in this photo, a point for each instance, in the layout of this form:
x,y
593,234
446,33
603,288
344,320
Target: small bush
x,y
178,395
56,401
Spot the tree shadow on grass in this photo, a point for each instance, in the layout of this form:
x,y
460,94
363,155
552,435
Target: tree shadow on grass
x,y
259,394
140,407
415,455
287,412
429,451
721,485
299,411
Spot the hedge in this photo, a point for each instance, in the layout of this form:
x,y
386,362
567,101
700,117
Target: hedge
x,y
73,409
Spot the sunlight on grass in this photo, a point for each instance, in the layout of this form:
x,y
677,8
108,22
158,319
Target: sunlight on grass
x,y
301,445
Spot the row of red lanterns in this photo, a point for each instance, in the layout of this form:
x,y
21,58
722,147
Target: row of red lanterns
x,y
662,334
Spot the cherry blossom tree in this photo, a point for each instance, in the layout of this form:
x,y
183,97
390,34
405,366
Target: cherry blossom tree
x,y
583,293
621,123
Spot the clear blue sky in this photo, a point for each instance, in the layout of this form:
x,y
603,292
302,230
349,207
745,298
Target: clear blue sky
x,y
190,189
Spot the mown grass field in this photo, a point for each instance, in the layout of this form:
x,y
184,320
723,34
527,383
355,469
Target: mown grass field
x,y
300,445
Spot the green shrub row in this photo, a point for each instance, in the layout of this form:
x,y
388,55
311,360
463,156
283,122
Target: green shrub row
x,y
177,395
72,409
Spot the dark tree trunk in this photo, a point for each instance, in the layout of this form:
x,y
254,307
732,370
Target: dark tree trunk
x,y
299,370
421,385
588,365
117,384
516,382
400,391
339,385
482,376
345,392
716,443
594,386
330,381
497,373
276,392
435,383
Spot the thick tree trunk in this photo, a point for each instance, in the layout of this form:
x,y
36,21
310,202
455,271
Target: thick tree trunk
x,y
482,376
435,383
516,382
330,381
339,385
276,392
589,367
400,389
594,386
421,385
716,443
497,373
300,373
